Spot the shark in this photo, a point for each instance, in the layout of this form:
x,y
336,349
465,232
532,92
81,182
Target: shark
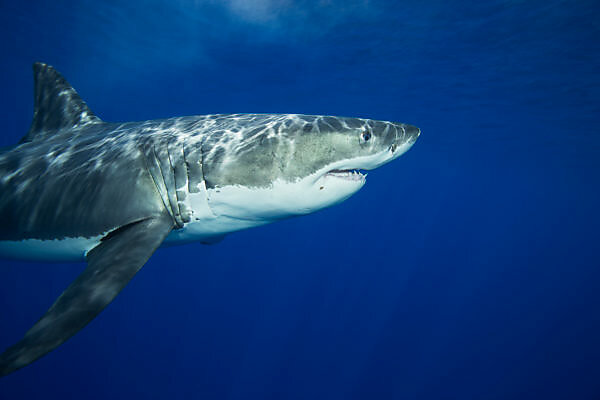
x,y
77,188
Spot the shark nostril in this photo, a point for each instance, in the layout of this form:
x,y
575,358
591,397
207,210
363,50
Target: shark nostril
x,y
412,131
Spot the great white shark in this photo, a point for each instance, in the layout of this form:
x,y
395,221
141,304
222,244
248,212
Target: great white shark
x,y
76,188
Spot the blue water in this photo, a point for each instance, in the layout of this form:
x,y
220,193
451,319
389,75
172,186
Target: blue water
x,y
466,269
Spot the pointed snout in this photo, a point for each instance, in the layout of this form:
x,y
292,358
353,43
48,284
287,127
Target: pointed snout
x,y
394,135
410,133
403,135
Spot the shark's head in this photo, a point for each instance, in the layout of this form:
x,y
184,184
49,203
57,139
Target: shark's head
x,y
278,166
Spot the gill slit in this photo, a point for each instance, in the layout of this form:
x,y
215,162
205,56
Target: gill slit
x,y
186,163
204,177
177,212
156,186
168,206
172,212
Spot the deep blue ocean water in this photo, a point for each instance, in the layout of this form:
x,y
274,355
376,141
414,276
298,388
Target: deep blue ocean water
x,y
466,269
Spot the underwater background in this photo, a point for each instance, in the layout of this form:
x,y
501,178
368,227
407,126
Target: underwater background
x,y
466,269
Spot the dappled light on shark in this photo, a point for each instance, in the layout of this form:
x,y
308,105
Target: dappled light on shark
x,y
77,188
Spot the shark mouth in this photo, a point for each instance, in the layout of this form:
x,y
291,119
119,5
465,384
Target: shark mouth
x,y
348,174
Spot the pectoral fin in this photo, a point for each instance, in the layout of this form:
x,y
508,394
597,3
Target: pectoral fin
x,y
111,265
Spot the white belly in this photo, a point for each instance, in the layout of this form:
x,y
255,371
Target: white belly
x,y
74,249
68,249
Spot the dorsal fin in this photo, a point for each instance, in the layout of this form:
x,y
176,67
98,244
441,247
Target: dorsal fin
x,y
56,104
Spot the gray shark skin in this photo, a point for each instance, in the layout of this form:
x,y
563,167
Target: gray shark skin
x,y
78,188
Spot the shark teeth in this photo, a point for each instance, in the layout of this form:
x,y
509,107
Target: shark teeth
x,y
350,174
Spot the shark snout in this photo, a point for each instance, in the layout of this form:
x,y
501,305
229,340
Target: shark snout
x,y
411,133
404,136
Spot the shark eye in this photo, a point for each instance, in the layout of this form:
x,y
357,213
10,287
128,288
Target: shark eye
x,y
365,136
